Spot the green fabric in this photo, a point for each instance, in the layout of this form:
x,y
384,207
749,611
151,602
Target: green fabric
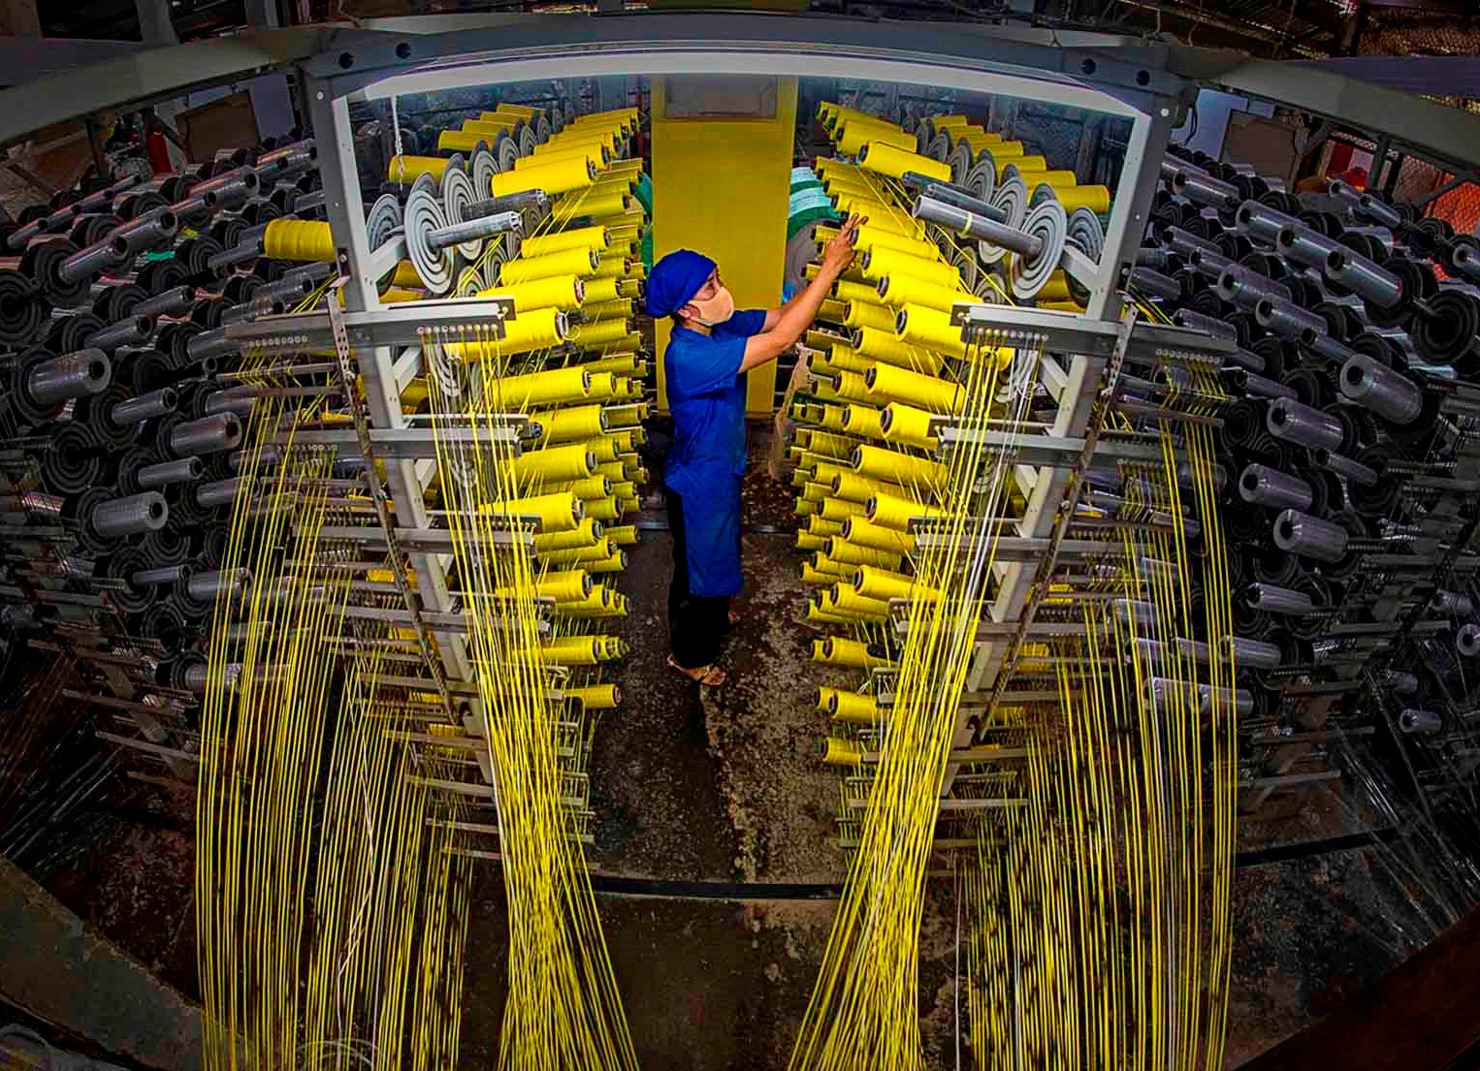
x,y
644,193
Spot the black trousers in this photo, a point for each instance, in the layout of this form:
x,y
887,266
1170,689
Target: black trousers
x,y
697,624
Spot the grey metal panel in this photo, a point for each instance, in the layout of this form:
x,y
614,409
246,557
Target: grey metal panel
x,y
25,59
1435,130
151,74
1438,76
970,45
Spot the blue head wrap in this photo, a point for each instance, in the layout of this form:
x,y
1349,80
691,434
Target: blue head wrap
x,y
675,279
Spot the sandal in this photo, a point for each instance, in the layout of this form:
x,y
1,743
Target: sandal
x,y
708,676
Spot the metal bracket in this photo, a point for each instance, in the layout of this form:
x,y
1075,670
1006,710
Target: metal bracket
x,y
452,320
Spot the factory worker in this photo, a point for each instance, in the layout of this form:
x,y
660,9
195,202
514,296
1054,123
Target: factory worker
x,y
709,352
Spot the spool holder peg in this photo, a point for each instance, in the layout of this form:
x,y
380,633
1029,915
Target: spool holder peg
x,y
1259,221
1039,245
42,384
1375,387
431,238
1185,180
1289,321
952,194
103,521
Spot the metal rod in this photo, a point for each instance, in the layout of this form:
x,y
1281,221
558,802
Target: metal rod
x,y
1264,486
73,375
181,470
1309,536
1378,388
131,515
975,226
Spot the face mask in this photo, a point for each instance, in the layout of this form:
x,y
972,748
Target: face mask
x,y
717,309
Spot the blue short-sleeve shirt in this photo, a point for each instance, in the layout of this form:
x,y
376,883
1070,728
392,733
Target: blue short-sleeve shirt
x,y
706,395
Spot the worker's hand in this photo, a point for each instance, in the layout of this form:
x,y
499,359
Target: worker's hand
x,y
837,255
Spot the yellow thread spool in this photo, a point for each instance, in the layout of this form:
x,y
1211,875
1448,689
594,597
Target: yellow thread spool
x,y
625,536
851,708
881,261
550,387
407,169
841,752
396,296
598,551
852,135
1006,150
618,308
585,534
604,509
557,512
605,206
552,292
855,488
883,347
929,328
863,420
566,262
579,651
404,275
536,329
1094,198
587,422
595,696
850,551
822,528
839,510
840,651
579,238
846,359
820,442
890,383
894,160
592,152
823,564
894,466
620,364
850,387
591,488
832,417
807,541
600,333
522,111
873,582
844,290
614,564
871,235
832,310
301,240
461,141
903,289
845,600
1056,289
559,177
900,514
554,463
868,314
600,291
908,426
865,543
814,491
488,128
612,267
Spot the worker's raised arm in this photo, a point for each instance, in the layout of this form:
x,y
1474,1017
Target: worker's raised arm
x,y
798,313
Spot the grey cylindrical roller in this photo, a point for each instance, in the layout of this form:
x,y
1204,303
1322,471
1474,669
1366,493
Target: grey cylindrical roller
x,y
1467,640
1420,722
1254,654
1150,281
194,210
1304,246
206,435
1332,350
73,375
1349,469
1261,222
1265,486
1198,321
1209,264
975,226
96,258
218,492
1257,386
164,574
1143,613
1184,242
1379,211
171,302
212,344
130,331
155,403
1165,689
151,232
131,515
1362,276
509,202
1376,387
1244,287
1204,189
1310,537
237,400
953,195
164,473
1400,682
1289,321
209,586
1452,602
474,228
1278,600
1293,422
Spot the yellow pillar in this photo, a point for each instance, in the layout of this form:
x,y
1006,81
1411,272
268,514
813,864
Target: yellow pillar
x,y
721,186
